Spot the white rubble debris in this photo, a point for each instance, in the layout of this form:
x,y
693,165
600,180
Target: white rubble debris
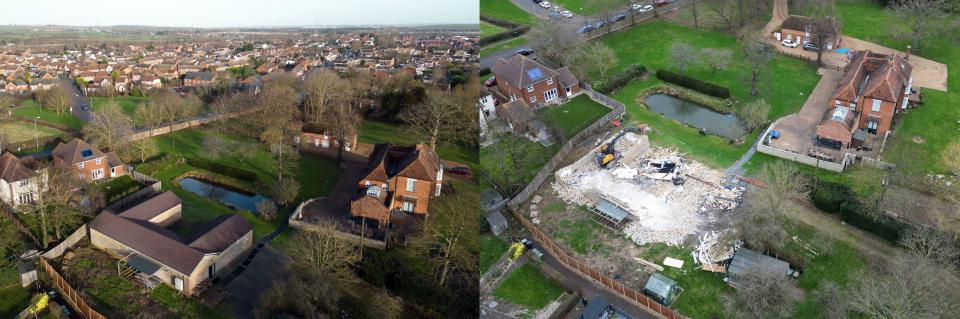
x,y
661,211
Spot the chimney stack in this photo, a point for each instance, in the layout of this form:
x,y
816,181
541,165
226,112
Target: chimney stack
x,y
909,47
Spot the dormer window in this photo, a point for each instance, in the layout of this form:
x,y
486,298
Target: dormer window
x,y
530,88
549,81
373,191
98,161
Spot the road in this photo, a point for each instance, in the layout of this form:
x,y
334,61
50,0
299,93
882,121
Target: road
x,y
571,25
76,100
591,289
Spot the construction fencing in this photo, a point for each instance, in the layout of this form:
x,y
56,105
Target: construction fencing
x,y
548,168
587,272
71,295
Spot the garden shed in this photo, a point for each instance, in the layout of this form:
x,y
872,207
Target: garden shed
x,y
661,288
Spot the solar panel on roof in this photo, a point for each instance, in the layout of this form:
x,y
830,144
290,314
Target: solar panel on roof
x,y
535,73
86,153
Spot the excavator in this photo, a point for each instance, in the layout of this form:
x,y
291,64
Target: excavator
x,y
606,154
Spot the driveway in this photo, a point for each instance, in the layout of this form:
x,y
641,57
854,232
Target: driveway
x,y
253,278
926,73
797,130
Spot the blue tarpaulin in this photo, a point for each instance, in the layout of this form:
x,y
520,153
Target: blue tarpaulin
x,y
843,50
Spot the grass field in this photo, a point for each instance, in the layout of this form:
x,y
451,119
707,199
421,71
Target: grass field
x,y
574,115
535,155
13,298
317,175
22,132
504,9
30,109
127,103
786,84
502,45
374,132
487,29
528,287
576,5
491,248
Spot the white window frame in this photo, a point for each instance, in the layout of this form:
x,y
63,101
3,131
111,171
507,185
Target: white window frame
x,y
549,81
98,161
853,106
530,88
411,185
533,99
551,95
438,190
408,206
80,165
836,103
876,106
177,283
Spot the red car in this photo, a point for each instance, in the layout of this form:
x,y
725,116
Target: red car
x,y
459,170
490,82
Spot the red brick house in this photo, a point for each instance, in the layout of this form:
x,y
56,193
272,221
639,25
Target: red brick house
x,y
91,163
397,180
798,29
316,137
874,88
522,78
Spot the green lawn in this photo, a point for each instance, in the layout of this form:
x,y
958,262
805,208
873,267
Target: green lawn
x,y
118,187
317,175
13,299
702,290
22,132
30,109
374,132
491,248
504,9
528,287
535,155
127,103
574,115
502,45
487,29
576,5
787,83
581,235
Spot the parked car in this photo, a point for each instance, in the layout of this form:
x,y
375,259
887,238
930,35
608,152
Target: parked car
x,y
646,8
490,82
537,1
789,43
537,253
566,14
556,8
809,46
527,243
586,28
460,170
525,51
545,5
599,24
84,107
619,17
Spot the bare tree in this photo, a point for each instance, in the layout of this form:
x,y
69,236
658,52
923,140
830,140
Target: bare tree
x,y
286,191
716,59
683,55
754,114
321,91
758,55
450,237
55,190
140,149
693,11
55,98
723,9
323,251
762,294
920,16
551,42
108,126
267,209
600,58
606,9
824,27
10,241
832,300
435,118
909,286
783,182
931,244
7,103
345,120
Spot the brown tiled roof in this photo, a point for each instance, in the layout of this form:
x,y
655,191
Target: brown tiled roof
x,y
71,152
150,242
874,75
516,112
369,207
152,207
113,160
835,131
221,233
387,161
566,77
14,169
515,70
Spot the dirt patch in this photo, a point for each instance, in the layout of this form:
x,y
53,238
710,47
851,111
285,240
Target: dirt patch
x,y
918,139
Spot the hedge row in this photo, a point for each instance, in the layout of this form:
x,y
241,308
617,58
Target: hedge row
x,y
618,80
839,199
508,34
694,84
484,71
499,22
222,169
164,162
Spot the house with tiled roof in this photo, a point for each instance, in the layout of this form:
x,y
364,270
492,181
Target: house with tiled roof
x,y
874,88
154,254
21,179
90,163
398,180
522,78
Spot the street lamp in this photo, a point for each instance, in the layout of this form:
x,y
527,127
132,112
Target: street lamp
x,y
36,136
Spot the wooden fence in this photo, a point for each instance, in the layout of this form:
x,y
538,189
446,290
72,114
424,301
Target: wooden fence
x,y
68,293
585,271
71,240
196,121
12,215
548,169
153,186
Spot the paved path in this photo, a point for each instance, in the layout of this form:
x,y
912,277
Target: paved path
x,y
797,130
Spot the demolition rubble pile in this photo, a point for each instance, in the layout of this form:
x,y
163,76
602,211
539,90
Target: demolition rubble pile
x,y
665,195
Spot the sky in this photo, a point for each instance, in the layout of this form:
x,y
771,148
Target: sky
x,y
239,13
